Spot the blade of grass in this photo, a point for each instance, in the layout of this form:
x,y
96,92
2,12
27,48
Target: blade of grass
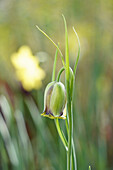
x,y
12,130
6,109
74,156
76,62
72,85
61,55
54,66
8,143
26,147
68,99
66,50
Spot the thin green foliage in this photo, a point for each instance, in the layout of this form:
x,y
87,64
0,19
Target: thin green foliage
x,y
53,44
54,65
76,62
8,143
59,73
69,153
60,132
69,83
66,50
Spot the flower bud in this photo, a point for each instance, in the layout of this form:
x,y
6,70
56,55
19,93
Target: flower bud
x,y
54,101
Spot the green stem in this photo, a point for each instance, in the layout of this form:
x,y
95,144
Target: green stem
x,y
74,156
54,65
68,92
59,73
69,138
61,134
67,128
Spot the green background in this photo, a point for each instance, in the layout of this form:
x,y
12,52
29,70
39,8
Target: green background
x,y
93,96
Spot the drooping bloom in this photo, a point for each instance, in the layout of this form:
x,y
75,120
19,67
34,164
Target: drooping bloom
x,y
28,71
55,101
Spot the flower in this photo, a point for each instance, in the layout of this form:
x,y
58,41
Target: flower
x,y
27,69
55,101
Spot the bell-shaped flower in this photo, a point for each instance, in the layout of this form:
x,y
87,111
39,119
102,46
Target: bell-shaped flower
x,y
55,101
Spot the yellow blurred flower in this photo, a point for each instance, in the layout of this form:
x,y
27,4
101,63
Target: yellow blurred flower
x,y
27,68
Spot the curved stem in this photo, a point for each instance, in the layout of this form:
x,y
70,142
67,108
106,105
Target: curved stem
x,y
59,73
61,134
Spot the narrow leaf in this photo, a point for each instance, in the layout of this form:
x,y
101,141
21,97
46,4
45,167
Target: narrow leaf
x,y
61,55
66,49
54,65
76,62
8,142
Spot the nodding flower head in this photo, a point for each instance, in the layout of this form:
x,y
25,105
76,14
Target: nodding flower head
x,y
55,101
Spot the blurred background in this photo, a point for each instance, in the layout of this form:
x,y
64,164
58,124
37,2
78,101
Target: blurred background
x,y
27,140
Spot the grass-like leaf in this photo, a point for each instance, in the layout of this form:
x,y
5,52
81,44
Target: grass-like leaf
x,y
61,55
66,50
8,142
76,62
68,93
54,65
